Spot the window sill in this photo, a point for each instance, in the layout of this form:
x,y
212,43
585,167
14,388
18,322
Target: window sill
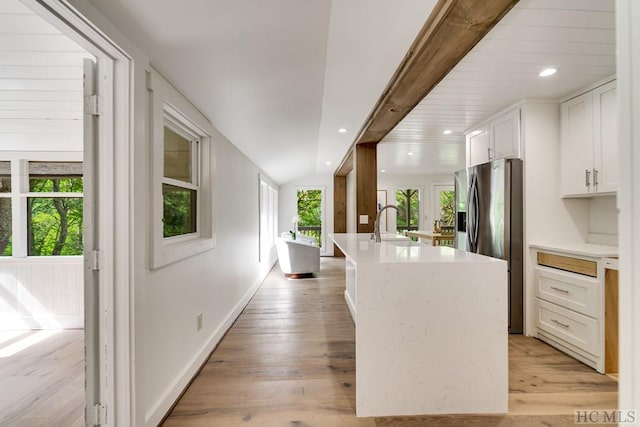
x,y
171,252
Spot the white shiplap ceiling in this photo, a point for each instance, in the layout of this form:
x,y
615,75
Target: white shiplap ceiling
x,y
40,83
575,36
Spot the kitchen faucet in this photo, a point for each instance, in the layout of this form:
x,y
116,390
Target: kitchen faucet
x,y
376,224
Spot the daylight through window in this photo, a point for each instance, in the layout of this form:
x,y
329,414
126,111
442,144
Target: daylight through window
x,y
52,214
180,182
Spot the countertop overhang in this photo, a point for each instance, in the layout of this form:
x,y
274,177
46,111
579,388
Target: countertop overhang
x,y
361,249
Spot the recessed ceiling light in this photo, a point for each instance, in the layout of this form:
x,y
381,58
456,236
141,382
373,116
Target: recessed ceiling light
x,y
327,163
410,153
383,170
342,130
547,72
446,132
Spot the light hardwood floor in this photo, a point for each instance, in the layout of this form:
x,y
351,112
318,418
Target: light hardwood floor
x,y
42,384
288,360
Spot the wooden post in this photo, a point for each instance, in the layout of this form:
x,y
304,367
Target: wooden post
x,y
339,209
366,185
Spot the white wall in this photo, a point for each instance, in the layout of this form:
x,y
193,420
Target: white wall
x,y
167,349
628,64
603,220
548,217
41,293
288,198
424,182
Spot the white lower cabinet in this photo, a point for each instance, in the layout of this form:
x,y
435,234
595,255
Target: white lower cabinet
x,y
569,308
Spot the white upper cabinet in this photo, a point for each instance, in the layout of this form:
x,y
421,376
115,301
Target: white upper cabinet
x,y
605,133
505,132
589,142
499,139
577,144
479,148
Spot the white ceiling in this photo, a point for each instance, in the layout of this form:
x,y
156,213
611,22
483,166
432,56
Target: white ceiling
x,y
575,36
278,78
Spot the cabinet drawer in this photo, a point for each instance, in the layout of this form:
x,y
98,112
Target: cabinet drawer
x,y
574,265
576,329
577,293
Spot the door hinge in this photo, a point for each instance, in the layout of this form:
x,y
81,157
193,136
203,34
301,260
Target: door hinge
x,y
93,105
94,260
96,415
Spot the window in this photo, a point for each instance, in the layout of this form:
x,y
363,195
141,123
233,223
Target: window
x,y
182,173
54,209
45,209
309,208
5,209
408,203
180,181
444,197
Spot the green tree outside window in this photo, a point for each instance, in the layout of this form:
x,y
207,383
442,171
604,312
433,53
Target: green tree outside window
x,y
310,214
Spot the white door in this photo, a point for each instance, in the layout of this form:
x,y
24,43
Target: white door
x,y
577,145
606,167
94,411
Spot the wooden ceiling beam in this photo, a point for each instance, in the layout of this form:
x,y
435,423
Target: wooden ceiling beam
x,y
451,31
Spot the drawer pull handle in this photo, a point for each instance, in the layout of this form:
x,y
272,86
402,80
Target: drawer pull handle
x,y
564,325
564,291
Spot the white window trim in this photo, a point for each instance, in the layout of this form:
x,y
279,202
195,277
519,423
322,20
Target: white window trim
x,y
268,219
20,193
168,106
435,205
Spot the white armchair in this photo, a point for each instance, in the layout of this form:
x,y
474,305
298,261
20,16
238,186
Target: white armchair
x,y
298,258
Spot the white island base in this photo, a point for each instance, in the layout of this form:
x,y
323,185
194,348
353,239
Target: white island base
x,y
431,328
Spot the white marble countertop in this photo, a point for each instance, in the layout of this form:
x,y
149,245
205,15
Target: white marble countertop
x,y
361,249
584,249
431,327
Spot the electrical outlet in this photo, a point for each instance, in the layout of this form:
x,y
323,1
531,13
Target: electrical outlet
x,y
364,219
199,322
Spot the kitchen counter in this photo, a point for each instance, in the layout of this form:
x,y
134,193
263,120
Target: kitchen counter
x,y
584,249
431,328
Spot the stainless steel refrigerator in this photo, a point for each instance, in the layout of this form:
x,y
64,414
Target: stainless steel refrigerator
x,y
489,221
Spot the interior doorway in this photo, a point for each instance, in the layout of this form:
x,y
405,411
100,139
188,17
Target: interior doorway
x,y
48,223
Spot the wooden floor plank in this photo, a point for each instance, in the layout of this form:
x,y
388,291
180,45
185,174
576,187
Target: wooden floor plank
x,y
43,384
289,360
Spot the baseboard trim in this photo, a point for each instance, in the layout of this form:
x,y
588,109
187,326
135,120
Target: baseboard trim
x,y
166,403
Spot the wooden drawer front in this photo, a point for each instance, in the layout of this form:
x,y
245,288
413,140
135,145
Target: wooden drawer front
x,y
574,328
575,265
578,293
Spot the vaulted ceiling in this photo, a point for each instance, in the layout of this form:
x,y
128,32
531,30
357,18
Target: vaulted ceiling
x,y
279,78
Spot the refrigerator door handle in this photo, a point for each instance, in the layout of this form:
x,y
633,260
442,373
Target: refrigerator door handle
x,y
473,215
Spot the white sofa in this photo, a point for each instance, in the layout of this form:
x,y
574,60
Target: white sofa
x,y
298,258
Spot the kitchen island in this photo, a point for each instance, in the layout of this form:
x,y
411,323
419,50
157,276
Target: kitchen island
x,y
431,327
